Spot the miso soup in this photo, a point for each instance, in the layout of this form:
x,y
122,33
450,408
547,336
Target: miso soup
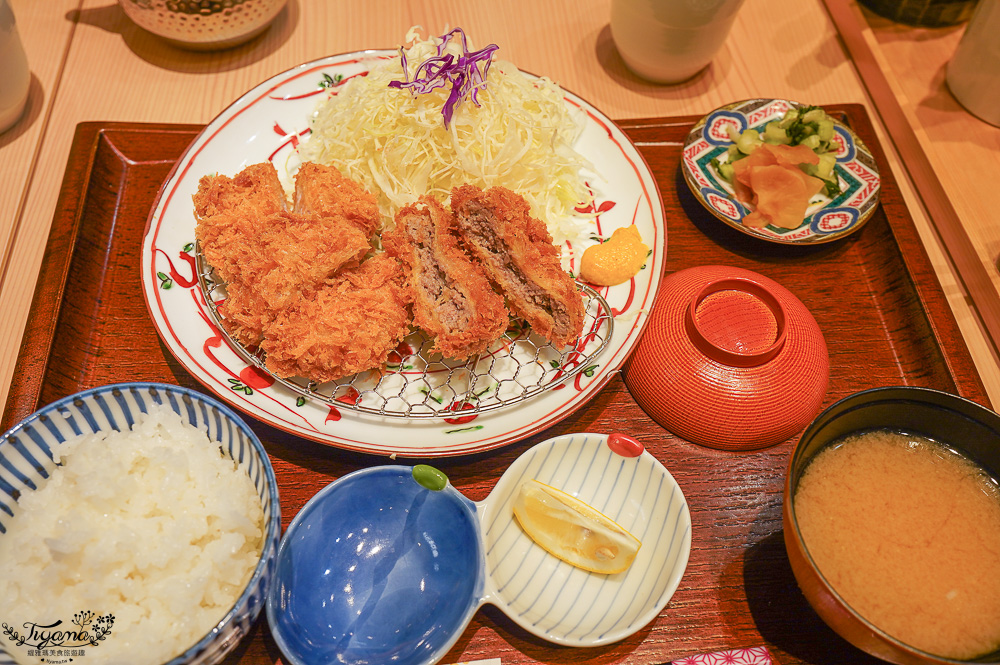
x,y
907,532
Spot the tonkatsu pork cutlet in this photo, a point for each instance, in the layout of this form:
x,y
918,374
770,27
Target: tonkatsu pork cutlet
x,y
266,254
325,191
249,237
257,187
349,325
516,250
245,315
283,253
452,299
226,208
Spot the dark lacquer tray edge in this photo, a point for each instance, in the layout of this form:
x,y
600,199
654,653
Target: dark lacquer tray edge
x,y
36,351
950,339
39,332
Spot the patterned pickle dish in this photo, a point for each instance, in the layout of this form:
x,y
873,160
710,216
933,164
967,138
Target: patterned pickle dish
x,y
827,218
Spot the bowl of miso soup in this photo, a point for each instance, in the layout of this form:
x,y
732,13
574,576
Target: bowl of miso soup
x,y
892,524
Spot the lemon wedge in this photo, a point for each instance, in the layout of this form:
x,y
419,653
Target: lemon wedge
x,y
573,531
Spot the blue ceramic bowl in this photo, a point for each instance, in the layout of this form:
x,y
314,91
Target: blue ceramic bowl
x,y
376,568
26,462
388,565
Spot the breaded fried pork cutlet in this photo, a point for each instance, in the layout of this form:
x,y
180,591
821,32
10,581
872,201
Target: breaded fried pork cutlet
x,y
251,239
256,187
245,315
516,250
325,191
284,253
297,279
349,326
453,301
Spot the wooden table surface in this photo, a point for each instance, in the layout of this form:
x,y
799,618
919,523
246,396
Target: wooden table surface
x,y
90,63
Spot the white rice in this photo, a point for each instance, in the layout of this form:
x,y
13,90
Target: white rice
x,y
152,526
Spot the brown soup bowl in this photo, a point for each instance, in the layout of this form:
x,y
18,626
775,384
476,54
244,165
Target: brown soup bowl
x,y
956,422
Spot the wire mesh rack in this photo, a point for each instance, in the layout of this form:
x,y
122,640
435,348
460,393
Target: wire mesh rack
x,y
418,384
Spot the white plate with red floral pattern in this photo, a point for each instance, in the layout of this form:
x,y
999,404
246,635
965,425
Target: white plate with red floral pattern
x,y
267,124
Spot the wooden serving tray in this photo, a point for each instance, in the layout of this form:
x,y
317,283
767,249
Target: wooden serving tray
x,y
874,295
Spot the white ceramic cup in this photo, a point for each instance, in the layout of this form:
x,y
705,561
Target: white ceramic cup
x,y
973,74
669,41
15,77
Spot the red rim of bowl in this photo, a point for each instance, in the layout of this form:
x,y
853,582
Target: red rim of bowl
x,y
721,354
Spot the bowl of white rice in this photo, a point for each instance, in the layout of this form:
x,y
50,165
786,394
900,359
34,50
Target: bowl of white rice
x,y
138,524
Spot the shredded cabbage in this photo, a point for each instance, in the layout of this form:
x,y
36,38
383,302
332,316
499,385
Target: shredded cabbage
x,y
519,134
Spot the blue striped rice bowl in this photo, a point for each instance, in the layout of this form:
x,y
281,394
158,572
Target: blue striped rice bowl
x,y
27,454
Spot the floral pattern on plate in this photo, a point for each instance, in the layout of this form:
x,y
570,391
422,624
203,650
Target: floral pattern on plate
x,y
267,124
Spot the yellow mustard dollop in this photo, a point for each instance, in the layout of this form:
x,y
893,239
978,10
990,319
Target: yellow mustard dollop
x,y
615,260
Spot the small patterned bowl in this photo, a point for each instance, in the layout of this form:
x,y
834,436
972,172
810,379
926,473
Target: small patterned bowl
x,y
826,219
389,564
203,24
26,462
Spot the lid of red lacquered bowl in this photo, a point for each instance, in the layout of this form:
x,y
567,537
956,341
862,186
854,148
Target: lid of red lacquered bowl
x,y
730,359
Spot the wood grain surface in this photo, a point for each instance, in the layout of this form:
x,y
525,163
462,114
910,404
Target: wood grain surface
x,y
90,62
874,295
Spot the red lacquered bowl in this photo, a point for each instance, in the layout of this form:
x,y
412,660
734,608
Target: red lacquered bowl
x,y
730,359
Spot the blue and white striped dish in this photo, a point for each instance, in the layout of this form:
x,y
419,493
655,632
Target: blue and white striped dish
x,y
382,567
564,604
26,462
